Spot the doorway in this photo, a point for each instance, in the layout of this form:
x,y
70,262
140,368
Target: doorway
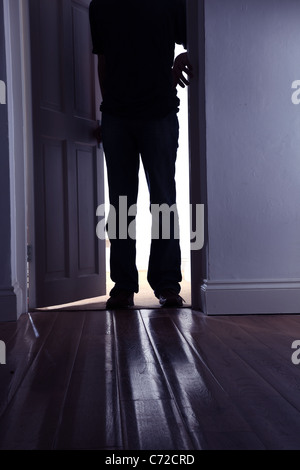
x,y
145,296
143,222
18,47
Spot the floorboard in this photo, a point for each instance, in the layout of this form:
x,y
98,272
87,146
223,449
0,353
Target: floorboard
x,y
22,344
149,412
31,419
160,379
92,391
204,405
270,416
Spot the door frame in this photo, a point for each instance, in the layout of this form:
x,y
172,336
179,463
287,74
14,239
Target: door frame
x,y
17,35
20,138
197,140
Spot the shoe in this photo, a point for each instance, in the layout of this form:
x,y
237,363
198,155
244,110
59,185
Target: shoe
x,y
169,298
120,300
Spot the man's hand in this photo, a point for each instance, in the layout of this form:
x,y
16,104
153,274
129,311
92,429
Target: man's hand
x,y
98,134
182,66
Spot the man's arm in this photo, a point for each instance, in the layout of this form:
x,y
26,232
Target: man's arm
x,y
102,73
101,76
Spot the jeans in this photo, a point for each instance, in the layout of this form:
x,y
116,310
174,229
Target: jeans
x,y
155,142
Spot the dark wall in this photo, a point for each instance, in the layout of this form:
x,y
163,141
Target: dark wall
x,y
5,251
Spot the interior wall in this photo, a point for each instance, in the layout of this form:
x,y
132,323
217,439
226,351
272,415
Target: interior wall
x,y
252,163
253,138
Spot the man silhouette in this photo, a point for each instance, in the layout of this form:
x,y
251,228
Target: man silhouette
x,y
135,43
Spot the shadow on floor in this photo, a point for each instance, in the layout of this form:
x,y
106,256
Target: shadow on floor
x,y
144,299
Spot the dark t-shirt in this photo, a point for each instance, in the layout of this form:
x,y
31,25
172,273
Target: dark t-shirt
x,y
137,38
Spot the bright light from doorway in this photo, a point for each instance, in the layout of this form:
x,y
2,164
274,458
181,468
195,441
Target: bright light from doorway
x,y
143,221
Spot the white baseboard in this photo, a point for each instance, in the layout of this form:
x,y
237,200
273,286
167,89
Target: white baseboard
x,y
251,297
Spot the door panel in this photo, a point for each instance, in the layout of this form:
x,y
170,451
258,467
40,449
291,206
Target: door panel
x,y
84,104
55,172
69,260
86,188
49,53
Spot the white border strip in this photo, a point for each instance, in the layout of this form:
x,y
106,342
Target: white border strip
x,y
15,96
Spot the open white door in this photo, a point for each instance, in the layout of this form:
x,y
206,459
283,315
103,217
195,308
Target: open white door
x,y
68,261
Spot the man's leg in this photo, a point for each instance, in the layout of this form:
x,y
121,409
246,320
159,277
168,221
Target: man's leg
x,y
122,160
159,145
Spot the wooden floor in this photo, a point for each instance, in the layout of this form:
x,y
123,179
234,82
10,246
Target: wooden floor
x,y
149,380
